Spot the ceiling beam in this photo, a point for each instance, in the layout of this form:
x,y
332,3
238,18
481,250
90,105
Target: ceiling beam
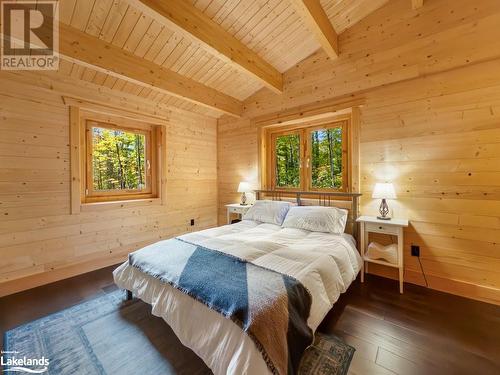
x,y
316,20
82,48
181,16
416,4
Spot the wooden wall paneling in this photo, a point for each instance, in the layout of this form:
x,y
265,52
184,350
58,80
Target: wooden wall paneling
x,y
402,47
106,113
354,150
433,192
345,14
307,113
237,151
162,154
40,240
435,133
75,161
58,82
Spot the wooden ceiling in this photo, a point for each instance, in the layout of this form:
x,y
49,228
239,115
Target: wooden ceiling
x,y
274,31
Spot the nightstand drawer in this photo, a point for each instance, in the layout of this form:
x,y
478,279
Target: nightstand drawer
x,y
381,228
238,210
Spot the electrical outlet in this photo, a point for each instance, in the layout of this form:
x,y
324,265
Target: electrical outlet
x,y
192,222
415,250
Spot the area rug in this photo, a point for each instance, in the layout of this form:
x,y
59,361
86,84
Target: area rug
x,y
108,335
328,355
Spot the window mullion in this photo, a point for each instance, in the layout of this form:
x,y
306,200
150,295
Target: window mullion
x,y
306,160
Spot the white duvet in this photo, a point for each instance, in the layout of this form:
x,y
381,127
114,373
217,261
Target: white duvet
x,y
325,263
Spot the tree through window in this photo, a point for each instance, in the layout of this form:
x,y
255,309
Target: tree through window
x,y
119,159
326,158
120,162
288,160
309,158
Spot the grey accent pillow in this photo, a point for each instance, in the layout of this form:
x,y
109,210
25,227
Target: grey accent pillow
x,y
317,219
266,211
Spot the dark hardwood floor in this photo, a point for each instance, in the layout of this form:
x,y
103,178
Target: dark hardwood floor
x,y
420,332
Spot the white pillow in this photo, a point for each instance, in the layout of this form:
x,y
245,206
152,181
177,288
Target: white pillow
x,y
272,212
317,219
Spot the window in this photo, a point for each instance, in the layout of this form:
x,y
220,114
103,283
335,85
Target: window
x,y
287,162
326,158
120,162
308,158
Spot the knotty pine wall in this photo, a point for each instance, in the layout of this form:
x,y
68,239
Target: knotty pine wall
x,y
40,241
430,124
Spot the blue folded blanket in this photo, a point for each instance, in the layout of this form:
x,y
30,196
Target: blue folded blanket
x,y
272,308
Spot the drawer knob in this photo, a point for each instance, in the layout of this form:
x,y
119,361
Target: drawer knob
x,y
379,227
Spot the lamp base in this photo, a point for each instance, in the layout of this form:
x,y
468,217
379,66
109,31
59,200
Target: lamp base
x,y
384,211
243,201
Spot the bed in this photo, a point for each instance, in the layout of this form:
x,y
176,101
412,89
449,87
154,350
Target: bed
x,y
324,263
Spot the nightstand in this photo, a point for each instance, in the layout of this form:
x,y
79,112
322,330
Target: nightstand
x,y
236,208
393,227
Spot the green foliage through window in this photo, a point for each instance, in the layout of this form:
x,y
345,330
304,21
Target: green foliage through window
x,y
118,160
288,160
323,153
326,158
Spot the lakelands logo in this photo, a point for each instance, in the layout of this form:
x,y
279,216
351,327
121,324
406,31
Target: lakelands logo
x,y
10,362
30,35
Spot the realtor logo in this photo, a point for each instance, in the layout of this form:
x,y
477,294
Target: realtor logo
x,y
10,362
30,35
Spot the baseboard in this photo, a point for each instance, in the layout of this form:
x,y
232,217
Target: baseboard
x,y
32,281
458,287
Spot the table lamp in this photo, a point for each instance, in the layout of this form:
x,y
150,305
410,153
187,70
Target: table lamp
x,y
244,187
384,191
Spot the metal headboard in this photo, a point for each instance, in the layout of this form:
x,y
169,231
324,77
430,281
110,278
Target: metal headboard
x,y
324,199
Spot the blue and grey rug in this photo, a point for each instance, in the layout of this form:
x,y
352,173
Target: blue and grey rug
x,y
107,335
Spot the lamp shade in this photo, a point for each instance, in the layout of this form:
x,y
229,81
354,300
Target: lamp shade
x,y
244,187
384,191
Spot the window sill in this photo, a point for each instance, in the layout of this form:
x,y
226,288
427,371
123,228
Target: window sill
x,y
100,206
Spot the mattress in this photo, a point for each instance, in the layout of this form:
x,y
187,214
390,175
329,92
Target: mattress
x,y
325,263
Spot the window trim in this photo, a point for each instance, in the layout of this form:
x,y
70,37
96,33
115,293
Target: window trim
x,y
92,196
79,112
272,167
305,169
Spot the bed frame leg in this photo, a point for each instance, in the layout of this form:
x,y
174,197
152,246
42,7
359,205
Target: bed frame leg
x,y
129,295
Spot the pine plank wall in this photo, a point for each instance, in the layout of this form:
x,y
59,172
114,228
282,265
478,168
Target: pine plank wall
x,y
430,80
430,123
40,240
